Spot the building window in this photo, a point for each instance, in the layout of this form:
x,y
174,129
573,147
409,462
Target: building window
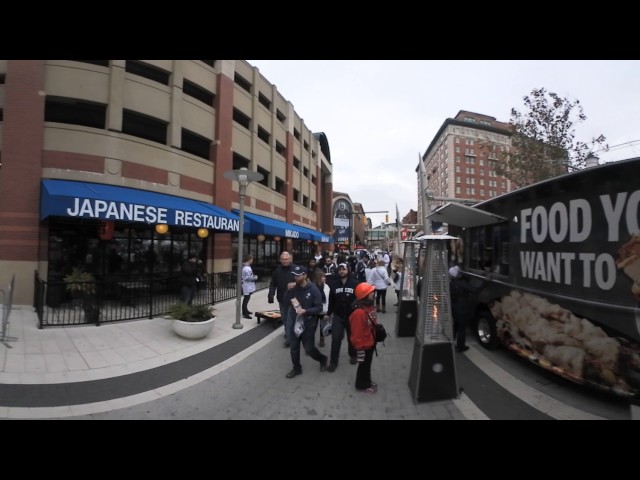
x,y
242,82
280,116
313,179
144,126
265,176
457,139
296,134
313,206
296,195
281,149
195,144
305,201
263,135
211,63
146,70
296,162
280,186
313,154
305,144
241,119
305,172
264,101
198,92
100,63
240,162
75,112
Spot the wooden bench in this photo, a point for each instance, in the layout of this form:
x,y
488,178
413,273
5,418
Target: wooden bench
x,y
273,315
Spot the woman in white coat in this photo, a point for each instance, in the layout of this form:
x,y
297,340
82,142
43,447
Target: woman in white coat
x,y
248,284
380,280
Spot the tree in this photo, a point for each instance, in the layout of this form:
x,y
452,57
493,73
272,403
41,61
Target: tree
x,y
543,141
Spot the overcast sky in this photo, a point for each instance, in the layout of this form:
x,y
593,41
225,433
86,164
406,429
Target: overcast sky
x,y
380,116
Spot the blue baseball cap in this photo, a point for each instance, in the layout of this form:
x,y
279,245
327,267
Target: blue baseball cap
x,y
299,270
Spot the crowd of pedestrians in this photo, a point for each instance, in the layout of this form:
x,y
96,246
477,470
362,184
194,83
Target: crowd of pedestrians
x,y
333,295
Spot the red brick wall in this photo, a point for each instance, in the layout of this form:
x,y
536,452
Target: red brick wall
x,y
22,143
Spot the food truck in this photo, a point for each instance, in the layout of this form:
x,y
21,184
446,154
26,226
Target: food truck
x,y
557,270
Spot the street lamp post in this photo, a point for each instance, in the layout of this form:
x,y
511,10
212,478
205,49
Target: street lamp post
x,y
243,177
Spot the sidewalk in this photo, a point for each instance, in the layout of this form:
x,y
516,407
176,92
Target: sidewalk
x,y
171,377
87,352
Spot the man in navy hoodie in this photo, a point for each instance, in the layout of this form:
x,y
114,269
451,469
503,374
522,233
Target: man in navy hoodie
x,y
307,301
341,299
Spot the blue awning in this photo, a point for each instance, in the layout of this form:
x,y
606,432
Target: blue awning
x,y
255,224
318,236
63,198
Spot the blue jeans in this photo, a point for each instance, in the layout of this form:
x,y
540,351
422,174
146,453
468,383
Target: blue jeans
x,y
285,316
340,325
307,339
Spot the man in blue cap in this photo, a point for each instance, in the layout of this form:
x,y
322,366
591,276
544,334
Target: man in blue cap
x,y
306,299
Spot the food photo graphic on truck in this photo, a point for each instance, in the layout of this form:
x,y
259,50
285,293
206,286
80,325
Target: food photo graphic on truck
x,y
557,266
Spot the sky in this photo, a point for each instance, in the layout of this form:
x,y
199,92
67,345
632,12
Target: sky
x,y
380,116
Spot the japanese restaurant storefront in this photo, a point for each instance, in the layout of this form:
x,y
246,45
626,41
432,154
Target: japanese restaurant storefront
x,y
113,231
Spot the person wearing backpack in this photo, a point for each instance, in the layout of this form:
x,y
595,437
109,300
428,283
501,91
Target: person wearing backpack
x,y
363,320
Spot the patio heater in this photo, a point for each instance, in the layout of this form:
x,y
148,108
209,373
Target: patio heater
x,y
407,315
433,371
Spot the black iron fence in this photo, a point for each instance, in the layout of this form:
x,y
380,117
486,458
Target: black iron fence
x,y
7,305
59,303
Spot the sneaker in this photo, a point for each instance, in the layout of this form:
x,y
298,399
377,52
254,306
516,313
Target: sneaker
x,y
286,344
462,349
246,315
332,367
321,344
323,364
293,373
353,360
371,389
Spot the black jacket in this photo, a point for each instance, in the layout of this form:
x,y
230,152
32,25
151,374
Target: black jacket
x,y
341,296
280,277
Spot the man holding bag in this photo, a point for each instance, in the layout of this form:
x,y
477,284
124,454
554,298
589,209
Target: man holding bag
x,y
307,301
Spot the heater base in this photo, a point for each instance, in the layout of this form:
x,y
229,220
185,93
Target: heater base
x,y
433,372
407,318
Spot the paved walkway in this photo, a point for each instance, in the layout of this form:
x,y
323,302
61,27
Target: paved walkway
x,y
71,371
141,370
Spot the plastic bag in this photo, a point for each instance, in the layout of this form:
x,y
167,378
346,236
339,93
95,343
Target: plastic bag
x,y
325,326
298,327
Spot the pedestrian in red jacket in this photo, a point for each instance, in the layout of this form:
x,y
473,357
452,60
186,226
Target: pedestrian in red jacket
x,y
362,321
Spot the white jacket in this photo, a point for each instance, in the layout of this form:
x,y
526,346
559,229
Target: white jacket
x,y
248,280
380,278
